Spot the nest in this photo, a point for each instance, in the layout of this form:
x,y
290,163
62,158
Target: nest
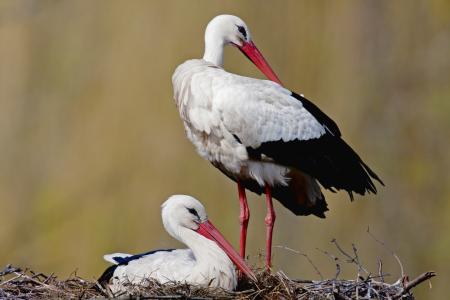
x,y
26,284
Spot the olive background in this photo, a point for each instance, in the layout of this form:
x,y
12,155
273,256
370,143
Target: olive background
x,y
91,143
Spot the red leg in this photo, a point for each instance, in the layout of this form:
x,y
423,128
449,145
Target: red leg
x,y
244,216
270,220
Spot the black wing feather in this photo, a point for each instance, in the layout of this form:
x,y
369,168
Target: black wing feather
x,y
329,159
126,260
318,114
106,277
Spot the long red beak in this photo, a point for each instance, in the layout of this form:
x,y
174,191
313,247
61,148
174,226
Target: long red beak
x,y
210,232
252,53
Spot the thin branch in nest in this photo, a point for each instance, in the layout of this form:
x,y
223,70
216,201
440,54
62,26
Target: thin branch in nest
x,y
335,258
338,271
351,260
413,283
354,286
268,287
12,279
100,287
360,267
9,269
303,255
380,266
337,245
355,260
401,267
49,277
156,297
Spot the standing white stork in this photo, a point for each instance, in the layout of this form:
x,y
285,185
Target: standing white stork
x,y
206,262
266,138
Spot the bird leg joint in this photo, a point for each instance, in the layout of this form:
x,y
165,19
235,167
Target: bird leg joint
x,y
270,218
244,216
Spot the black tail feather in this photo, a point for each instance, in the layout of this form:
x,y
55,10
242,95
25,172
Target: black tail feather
x,y
329,159
106,277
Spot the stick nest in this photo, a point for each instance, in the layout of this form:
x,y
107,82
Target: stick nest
x,y
26,284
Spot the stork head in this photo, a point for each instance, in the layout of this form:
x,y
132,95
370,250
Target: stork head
x,y
228,30
182,212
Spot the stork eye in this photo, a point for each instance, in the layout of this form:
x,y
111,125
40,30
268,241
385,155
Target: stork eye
x,y
242,30
192,211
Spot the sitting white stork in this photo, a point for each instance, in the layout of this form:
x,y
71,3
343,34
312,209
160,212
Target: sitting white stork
x,y
261,135
206,262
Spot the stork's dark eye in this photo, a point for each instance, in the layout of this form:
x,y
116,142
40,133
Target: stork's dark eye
x,y
192,211
242,30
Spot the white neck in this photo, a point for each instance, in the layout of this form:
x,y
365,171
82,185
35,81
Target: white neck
x,y
211,260
214,48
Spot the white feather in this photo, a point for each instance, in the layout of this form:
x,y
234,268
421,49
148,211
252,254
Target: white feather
x,y
215,105
204,261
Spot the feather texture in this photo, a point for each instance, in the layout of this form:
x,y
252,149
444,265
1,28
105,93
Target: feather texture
x,y
204,263
256,130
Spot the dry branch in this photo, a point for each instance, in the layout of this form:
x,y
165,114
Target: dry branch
x,y
268,286
401,267
9,269
380,266
413,283
303,255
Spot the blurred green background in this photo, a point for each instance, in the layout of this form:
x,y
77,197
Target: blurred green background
x,y
92,143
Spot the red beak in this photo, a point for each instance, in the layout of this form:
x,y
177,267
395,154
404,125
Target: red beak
x,y
210,232
252,53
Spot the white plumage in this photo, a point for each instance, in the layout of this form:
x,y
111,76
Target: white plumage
x,y
216,106
261,135
184,218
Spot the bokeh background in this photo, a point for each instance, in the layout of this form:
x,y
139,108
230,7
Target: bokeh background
x,y
91,143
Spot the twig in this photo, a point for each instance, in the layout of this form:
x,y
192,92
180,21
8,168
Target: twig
x,y
36,275
49,277
355,260
351,260
401,267
334,241
303,281
303,255
413,283
100,287
9,269
38,282
360,267
335,258
338,271
380,266
5,282
285,286
120,294
155,297
356,285
74,279
244,292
